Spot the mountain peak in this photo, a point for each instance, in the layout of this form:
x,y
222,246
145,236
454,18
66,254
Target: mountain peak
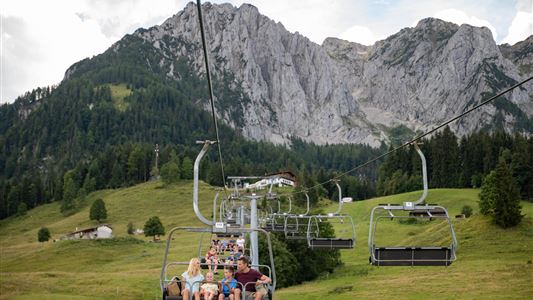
x,y
436,24
282,85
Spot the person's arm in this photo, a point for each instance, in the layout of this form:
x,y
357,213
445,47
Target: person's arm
x,y
265,279
184,282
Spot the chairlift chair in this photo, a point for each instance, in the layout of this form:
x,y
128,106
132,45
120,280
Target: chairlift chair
x,y
167,274
296,225
411,255
276,222
316,241
213,227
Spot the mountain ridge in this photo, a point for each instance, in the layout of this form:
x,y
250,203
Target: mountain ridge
x,y
314,92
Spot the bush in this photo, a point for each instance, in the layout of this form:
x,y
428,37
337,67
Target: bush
x,y
43,235
467,211
130,228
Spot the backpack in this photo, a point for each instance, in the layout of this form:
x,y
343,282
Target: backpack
x,y
174,288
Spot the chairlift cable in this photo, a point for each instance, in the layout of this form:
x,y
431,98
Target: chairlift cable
x,y
418,137
210,86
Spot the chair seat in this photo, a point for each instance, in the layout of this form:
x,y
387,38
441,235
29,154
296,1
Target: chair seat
x,y
424,212
412,256
279,227
331,243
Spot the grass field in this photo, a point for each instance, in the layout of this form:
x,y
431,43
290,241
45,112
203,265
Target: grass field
x,y
492,262
118,93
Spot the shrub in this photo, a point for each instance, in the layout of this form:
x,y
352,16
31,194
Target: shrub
x,y
43,235
130,228
467,211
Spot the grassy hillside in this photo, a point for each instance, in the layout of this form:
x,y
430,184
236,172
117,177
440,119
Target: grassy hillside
x,y
122,268
491,262
118,93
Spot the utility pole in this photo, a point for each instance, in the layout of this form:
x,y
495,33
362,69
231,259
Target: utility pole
x,y
156,161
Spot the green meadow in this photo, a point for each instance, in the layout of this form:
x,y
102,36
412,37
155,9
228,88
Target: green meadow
x,y
492,262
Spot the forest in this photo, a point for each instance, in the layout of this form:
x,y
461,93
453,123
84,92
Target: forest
x,y
99,127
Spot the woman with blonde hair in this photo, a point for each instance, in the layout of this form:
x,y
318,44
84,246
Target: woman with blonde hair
x,y
192,279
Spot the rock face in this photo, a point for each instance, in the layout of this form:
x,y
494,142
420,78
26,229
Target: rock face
x,y
343,92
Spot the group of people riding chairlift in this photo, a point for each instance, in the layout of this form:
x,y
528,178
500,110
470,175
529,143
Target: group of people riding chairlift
x,y
231,286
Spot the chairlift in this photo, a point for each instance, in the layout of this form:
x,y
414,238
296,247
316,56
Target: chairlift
x,y
276,221
296,225
345,239
411,255
167,272
213,227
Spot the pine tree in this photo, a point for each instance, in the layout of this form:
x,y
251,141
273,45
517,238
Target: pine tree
x,y
522,167
89,184
170,172
70,191
488,194
507,209
186,168
154,227
117,175
136,164
98,211
22,209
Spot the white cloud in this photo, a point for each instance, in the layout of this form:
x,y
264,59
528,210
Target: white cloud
x,y
520,29
314,19
360,34
460,17
40,43
41,39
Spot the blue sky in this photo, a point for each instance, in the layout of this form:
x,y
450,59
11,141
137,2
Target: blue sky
x,y
41,39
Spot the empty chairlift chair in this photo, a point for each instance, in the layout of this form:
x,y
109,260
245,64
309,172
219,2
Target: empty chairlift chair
x,y
414,255
276,222
344,240
296,225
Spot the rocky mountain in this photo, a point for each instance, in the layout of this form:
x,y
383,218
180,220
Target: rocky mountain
x,y
521,54
343,92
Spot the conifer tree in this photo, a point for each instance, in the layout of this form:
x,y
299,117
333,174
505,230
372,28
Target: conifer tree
x,y
186,168
22,209
170,171
488,194
507,209
98,211
117,175
70,191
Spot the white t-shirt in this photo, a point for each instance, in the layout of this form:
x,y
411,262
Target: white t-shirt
x,y
192,284
240,242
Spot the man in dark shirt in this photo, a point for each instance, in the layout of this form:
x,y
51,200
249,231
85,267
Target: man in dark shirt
x,y
246,275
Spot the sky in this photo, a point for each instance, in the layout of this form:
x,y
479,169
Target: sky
x,y
41,39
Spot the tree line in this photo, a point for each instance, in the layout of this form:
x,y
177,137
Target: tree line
x,y
459,163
